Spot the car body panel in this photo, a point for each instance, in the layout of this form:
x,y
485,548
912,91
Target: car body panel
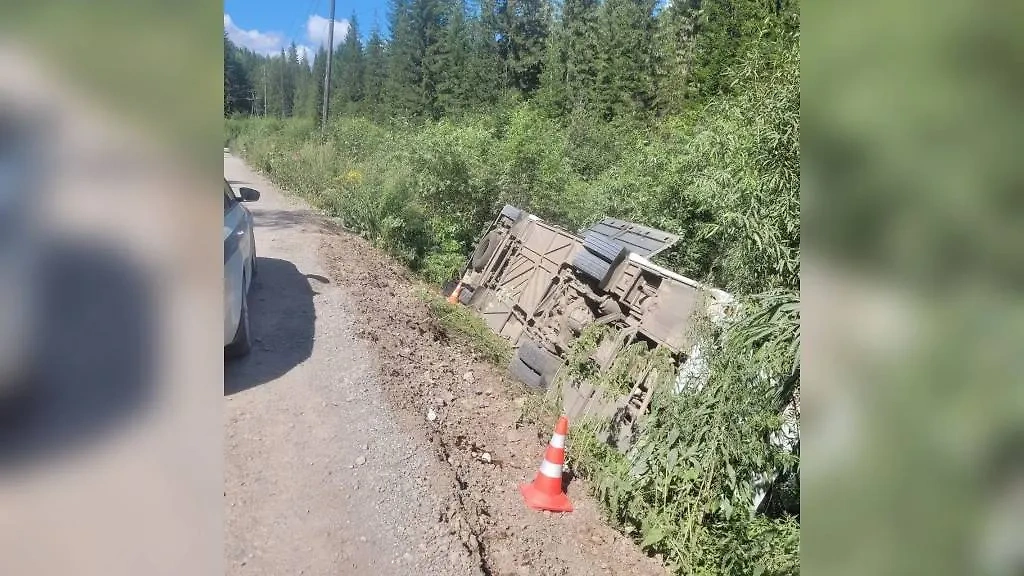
x,y
239,247
638,239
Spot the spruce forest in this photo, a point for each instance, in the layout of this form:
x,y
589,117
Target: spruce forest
x,y
681,115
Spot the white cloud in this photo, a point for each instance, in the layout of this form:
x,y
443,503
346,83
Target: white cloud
x,y
306,51
271,43
267,43
317,30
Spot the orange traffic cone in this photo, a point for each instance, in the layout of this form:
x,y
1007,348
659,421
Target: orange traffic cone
x,y
545,492
453,298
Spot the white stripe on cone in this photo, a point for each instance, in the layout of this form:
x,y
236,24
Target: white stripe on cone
x,y
550,469
558,441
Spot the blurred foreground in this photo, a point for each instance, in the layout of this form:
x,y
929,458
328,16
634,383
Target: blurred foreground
x,y
110,305
911,198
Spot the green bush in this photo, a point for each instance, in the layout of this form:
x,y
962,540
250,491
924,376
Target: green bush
x,y
686,488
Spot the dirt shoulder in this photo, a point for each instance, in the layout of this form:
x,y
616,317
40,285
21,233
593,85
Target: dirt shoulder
x,y
478,409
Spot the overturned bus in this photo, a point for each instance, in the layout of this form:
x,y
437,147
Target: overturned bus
x,y
542,288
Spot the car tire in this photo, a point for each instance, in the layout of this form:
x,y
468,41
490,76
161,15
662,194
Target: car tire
x,y
484,250
526,375
253,265
242,343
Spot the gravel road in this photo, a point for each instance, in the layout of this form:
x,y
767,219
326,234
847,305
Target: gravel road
x,y
319,477
331,466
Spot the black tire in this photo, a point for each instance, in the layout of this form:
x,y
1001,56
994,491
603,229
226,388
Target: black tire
x,y
242,343
525,374
540,360
254,267
484,250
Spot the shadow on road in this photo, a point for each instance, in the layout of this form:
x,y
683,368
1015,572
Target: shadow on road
x,y
283,219
283,322
96,339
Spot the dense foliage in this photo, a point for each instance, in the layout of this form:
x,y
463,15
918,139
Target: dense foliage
x,y
684,116
687,488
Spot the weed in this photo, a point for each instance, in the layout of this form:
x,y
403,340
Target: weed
x,y
686,488
540,410
579,367
461,321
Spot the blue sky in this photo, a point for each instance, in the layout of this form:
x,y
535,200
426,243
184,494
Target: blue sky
x,y
265,26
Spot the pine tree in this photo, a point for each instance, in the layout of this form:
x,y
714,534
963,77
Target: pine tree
x,y
574,52
447,61
279,82
553,94
429,18
523,29
583,51
252,65
319,74
305,91
416,57
626,67
237,87
675,36
404,56
485,82
289,72
272,85
375,75
347,89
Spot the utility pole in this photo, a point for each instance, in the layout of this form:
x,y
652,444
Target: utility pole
x,y
264,89
327,76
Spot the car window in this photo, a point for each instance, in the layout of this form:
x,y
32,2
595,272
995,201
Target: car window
x,y
229,197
